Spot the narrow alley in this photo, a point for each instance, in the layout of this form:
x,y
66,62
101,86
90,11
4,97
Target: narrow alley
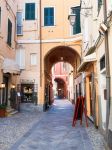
x,y
50,130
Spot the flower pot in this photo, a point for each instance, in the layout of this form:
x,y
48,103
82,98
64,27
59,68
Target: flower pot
x,y
2,112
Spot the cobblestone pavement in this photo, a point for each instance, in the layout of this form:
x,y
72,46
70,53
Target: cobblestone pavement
x,y
48,131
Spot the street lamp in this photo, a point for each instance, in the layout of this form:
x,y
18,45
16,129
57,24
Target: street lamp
x,y
72,19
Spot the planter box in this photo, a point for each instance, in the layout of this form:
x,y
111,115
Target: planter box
x,y
2,112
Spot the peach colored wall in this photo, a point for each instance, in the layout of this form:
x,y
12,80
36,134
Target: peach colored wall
x,y
5,50
61,30
62,25
8,11
30,27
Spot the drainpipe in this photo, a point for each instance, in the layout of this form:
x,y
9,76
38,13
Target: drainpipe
x,y
40,33
107,70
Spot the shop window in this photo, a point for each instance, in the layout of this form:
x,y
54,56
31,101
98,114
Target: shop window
x,y
76,27
9,36
49,16
30,11
102,63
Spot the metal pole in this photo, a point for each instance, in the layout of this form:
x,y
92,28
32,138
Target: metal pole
x,y
107,69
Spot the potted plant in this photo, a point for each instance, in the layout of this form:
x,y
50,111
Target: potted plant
x,y
3,110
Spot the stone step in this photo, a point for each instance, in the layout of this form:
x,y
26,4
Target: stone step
x,y
11,111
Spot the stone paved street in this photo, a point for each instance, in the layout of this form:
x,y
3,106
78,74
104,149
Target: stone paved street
x,y
48,131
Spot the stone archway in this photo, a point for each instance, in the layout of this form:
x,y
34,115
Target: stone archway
x,y
57,54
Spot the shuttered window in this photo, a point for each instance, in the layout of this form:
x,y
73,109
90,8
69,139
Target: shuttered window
x,y
99,5
76,26
19,30
49,16
30,11
9,36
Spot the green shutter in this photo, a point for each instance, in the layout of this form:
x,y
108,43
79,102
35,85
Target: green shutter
x,y
30,11
99,5
49,16
9,37
76,27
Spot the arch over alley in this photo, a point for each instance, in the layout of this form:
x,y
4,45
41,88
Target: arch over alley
x,y
55,55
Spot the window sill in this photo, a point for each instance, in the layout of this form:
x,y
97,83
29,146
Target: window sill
x,y
19,34
76,34
49,26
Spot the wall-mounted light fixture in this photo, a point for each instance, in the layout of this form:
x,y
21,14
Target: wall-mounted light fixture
x,y
2,85
13,86
72,19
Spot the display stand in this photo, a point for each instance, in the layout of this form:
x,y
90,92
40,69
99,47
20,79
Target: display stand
x,y
80,108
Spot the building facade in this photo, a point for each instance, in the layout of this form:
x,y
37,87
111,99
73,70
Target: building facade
x,y
28,49
9,70
41,36
96,63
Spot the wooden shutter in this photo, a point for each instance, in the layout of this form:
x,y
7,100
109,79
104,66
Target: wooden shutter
x,y
49,16
30,11
9,37
76,27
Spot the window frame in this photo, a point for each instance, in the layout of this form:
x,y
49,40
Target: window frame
x,y
54,17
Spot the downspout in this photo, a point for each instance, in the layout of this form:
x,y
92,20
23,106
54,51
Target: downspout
x,y
40,33
107,70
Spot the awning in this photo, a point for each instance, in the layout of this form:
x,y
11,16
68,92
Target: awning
x,y
10,66
87,59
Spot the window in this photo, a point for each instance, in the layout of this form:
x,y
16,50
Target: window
x,y
20,58
49,16
30,11
102,63
19,30
33,59
0,18
9,32
99,5
76,28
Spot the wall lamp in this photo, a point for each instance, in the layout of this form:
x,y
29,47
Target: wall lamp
x,y
2,85
72,19
13,86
